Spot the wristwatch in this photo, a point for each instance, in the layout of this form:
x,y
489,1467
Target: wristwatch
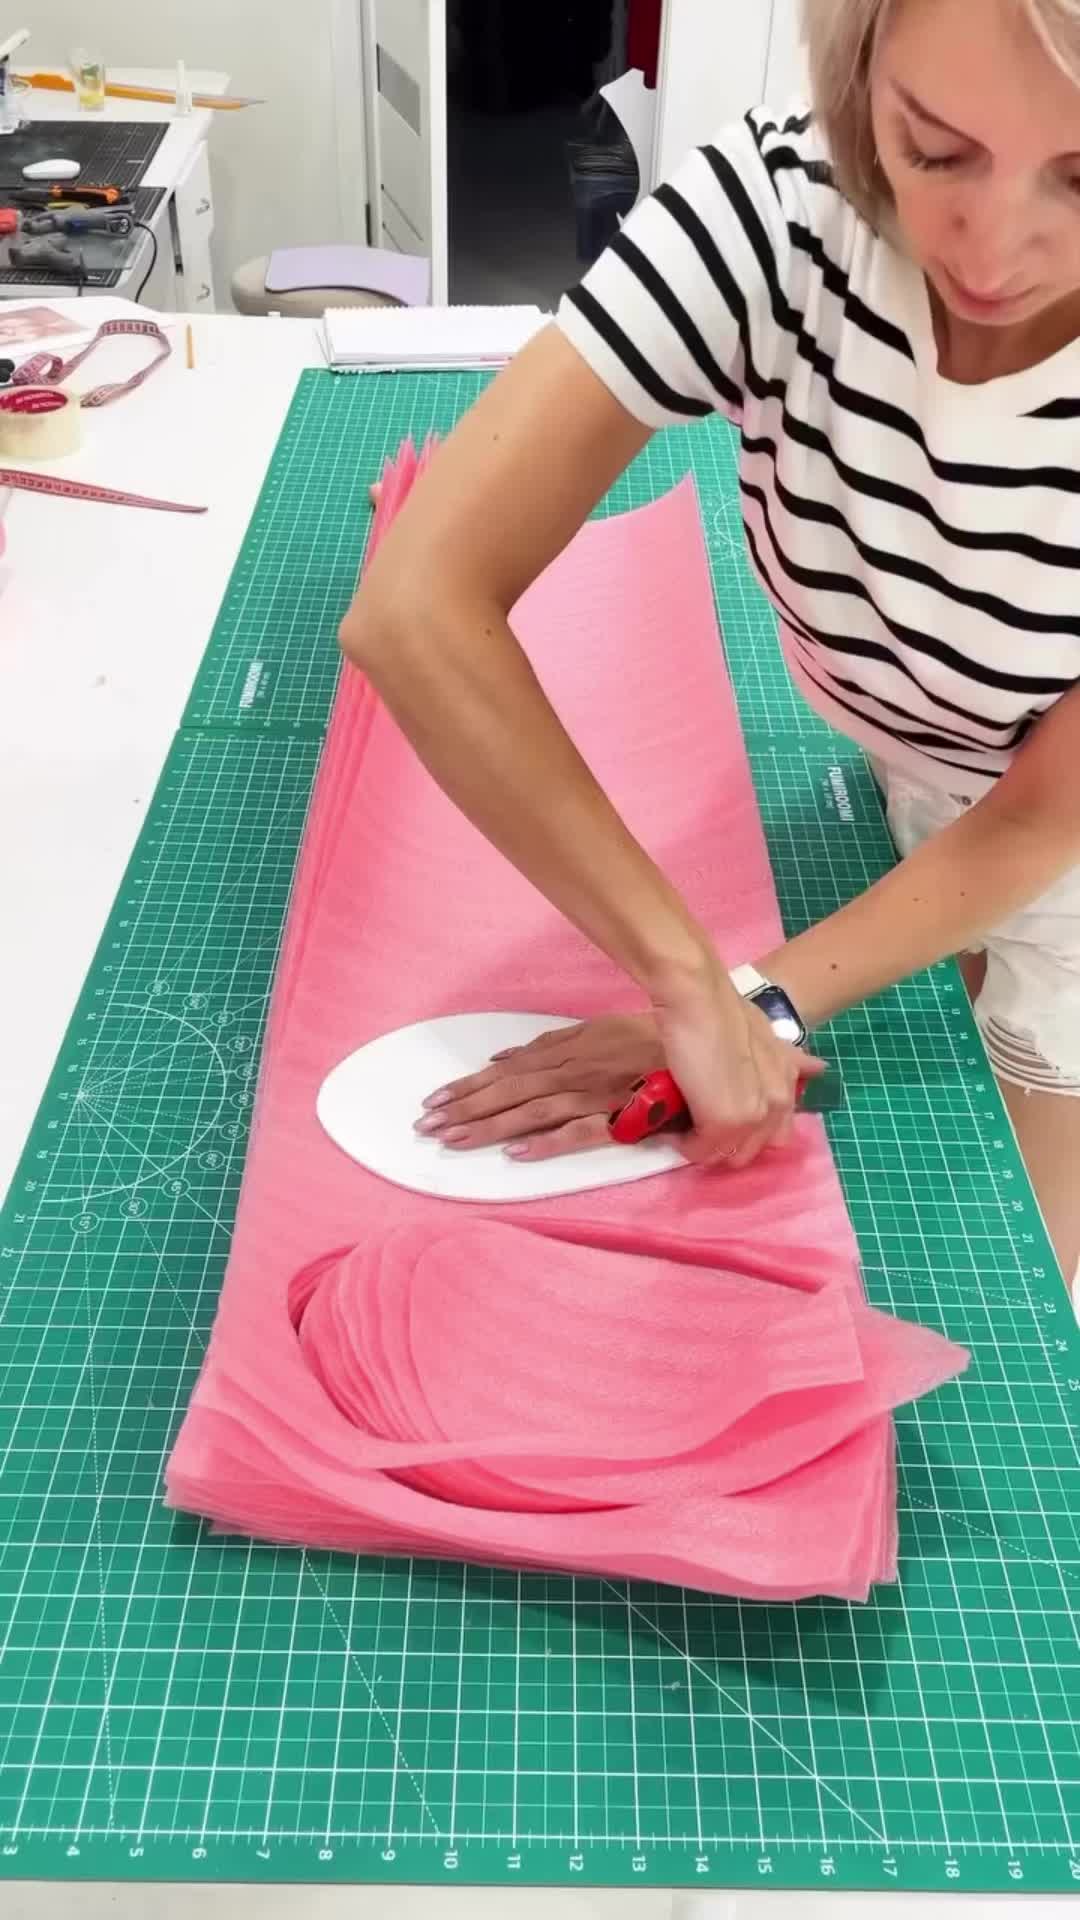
x,y
777,1006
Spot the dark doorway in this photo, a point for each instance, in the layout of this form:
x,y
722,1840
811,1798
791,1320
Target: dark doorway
x,y
521,72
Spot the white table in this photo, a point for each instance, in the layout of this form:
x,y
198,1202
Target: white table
x,y
182,277
104,616
98,649
59,1902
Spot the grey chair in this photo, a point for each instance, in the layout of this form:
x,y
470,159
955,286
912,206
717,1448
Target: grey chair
x,y
249,295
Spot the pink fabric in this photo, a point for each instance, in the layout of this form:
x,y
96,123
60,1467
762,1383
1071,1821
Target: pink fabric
x,y
678,1380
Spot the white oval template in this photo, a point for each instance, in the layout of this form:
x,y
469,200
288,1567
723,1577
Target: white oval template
x,y
370,1103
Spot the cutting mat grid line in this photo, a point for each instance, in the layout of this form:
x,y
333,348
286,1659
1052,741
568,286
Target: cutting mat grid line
x,y
175,1706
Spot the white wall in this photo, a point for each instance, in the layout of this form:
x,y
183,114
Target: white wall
x,y
289,173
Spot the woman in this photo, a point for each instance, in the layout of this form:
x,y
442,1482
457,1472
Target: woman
x,y
886,298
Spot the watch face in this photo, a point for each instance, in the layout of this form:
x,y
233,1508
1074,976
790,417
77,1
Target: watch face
x,y
778,1010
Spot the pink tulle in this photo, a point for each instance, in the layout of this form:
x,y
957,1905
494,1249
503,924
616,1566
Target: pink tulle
x,y
678,1380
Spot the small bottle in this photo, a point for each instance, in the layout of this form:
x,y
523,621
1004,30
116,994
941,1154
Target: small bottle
x,y
88,73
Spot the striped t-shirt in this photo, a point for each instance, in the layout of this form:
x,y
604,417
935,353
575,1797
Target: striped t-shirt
x,y
920,540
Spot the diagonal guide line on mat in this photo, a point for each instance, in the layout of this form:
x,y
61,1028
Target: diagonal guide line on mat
x,y
103,1083
197,1333
733,1701
1005,1546
399,1757
110,1126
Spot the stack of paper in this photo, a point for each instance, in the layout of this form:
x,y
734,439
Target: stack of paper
x,y
389,339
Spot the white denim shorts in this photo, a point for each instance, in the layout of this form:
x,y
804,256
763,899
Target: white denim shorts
x,y
1029,1007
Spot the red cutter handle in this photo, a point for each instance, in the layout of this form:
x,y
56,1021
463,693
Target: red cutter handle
x,y
655,1102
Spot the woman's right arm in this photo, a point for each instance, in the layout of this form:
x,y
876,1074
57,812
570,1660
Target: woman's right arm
x,y
430,628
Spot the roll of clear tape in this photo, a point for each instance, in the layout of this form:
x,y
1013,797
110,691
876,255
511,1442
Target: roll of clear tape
x,y
39,423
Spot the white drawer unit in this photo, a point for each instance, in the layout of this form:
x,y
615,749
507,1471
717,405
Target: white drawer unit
x,y
195,285
192,219
160,291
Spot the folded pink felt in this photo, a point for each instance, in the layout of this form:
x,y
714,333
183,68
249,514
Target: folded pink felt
x,y
678,1380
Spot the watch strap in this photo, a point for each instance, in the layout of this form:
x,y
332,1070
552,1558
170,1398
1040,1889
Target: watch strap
x,y
747,981
753,986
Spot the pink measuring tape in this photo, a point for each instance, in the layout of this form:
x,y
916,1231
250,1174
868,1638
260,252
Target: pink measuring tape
x,y
34,402
25,482
48,369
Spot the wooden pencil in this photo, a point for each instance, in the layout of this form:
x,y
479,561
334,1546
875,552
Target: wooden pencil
x,y
59,83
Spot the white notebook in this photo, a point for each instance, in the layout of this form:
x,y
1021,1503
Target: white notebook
x,y
386,339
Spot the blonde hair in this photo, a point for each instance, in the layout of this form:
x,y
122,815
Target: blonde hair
x,y
842,37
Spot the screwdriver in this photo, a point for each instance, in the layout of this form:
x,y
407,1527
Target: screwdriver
x,y
70,193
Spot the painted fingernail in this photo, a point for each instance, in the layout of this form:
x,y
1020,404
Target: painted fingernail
x,y
430,1124
440,1099
454,1136
519,1152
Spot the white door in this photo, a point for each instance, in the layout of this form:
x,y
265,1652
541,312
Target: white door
x,y
405,110
788,75
713,63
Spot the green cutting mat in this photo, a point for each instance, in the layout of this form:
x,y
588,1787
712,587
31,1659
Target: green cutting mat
x,y
173,1706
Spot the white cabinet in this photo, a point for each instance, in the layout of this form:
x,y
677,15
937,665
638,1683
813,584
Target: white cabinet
x,y
192,223
159,293
182,279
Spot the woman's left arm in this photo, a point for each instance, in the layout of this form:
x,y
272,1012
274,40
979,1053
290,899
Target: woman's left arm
x,y
999,857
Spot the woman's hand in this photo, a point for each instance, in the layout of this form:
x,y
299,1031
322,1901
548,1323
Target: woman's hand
x,y
740,1082
556,1096
552,1097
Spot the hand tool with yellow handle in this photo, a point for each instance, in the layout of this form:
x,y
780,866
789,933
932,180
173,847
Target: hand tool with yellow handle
x,y
115,90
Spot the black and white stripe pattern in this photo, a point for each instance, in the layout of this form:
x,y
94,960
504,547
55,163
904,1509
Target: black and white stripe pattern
x,y
918,539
